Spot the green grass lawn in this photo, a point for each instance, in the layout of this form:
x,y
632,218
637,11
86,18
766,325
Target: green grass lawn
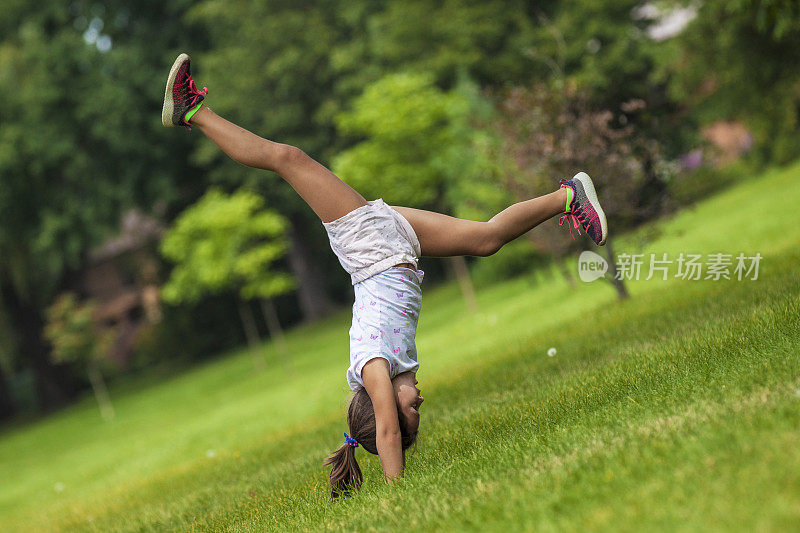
x,y
678,409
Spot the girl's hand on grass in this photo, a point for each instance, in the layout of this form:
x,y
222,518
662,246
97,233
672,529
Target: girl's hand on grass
x,y
388,439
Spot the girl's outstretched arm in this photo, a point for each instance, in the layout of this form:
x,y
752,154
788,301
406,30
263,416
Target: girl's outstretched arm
x,y
388,438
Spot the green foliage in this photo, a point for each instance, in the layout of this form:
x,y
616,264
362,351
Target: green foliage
x,y
72,332
287,73
225,242
407,124
515,259
79,142
417,144
268,70
489,40
740,60
690,187
602,48
547,134
601,44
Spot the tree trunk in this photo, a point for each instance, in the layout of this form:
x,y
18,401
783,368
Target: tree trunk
x,y
619,284
7,407
312,295
566,272
100,392
274,327
53,383
251,333
652,194
459,264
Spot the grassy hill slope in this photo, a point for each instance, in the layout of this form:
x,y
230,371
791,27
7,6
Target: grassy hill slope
x,y
676,409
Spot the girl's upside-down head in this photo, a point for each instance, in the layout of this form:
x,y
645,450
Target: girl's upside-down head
x,y
345,473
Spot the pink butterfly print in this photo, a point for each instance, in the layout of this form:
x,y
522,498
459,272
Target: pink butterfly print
x,y
397,350
361,308
397,330
360,337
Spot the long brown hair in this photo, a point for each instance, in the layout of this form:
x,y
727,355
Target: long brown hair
x,y
345,472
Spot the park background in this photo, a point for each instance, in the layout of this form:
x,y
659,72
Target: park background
x,y
173,325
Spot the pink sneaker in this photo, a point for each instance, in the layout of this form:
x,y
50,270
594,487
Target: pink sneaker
x,y
181,94
584,209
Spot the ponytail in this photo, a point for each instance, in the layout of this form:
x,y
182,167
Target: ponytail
x,y
345,472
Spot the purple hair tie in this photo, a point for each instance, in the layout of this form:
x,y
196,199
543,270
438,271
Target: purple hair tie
x,y
350,440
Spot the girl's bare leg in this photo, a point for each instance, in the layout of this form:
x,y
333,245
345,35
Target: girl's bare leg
x,y
442,236
327,195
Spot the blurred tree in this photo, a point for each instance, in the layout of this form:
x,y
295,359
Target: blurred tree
x,y
79,142
286,70
601,45
269,70
604,48
7,407
227,242
415,148
549,134
489,40
405,122
75,339
740,59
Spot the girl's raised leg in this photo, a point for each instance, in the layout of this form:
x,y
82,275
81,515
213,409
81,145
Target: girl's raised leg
x,y
443,236
326,194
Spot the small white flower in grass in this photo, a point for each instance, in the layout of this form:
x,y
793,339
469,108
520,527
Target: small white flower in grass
x,y
551,352
211,454
59,487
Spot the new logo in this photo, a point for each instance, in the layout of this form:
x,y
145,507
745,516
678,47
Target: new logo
x,y
591,266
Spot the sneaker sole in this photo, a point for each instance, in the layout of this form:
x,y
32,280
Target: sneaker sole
x,y
591,195
169,104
